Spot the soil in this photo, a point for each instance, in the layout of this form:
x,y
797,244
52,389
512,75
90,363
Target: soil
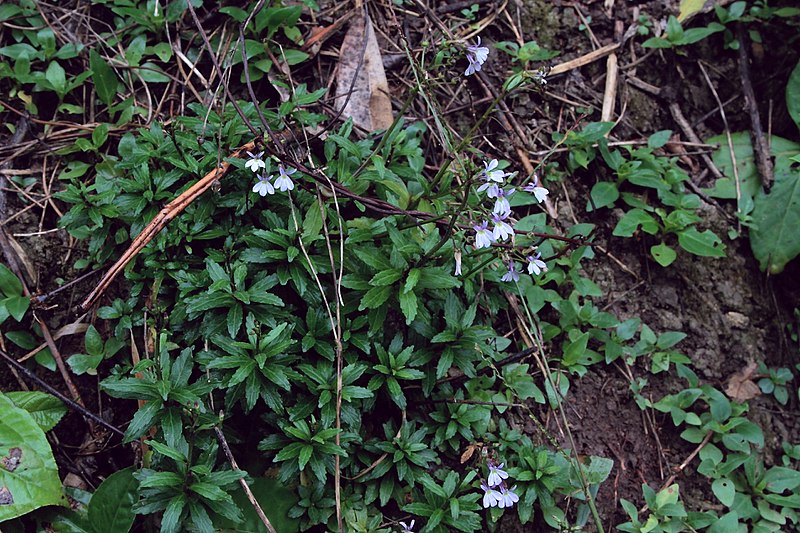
x,y
732,312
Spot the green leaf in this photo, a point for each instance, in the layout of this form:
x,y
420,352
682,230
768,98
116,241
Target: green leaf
x,y
57,77
93,341
9,283
276,499
726,523
630,222
663,254
793,94
659,139
103,77
111,506
408,304
705,244
81,363
689,8
375,297
776,217
29,476
604,194
46,410
17,306
724,490
387,277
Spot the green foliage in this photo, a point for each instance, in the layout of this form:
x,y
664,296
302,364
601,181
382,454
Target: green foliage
x,y
111,507
28,471
14,304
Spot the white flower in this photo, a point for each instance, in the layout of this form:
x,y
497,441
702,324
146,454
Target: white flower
x,y
502,229
255,162
491,497
264,187
536,265
283,182
483,237
476,55
457,255
501,205
496,474
507,497
407,528
512,274
492,189
539,192
490,174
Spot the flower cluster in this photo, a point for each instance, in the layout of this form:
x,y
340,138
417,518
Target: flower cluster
x,y
495,491
265,185
502,228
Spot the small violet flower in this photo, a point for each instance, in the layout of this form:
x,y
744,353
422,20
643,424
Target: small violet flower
x,y
507,497
512,274
496,474
483,237
255,163
409,528
457,256
284,182
476,55
501,205
502,229
539,192
536,265
491,497
491,177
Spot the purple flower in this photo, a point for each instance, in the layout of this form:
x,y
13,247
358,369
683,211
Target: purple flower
x,y
502,229
283,182
512,274
255,162
483,237
507,497
407,528
491,177
496,474
457,255
264,187
536,265
476,55
491,497
539,192
501,205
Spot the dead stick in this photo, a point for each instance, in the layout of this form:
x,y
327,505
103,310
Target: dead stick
x,y
760,145
242,482
170,211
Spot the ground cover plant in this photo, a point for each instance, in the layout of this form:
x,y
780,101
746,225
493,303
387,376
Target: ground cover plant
x,y
281,266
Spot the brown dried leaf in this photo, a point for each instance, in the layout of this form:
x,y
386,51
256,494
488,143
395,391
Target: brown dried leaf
x,y
741,386
369,104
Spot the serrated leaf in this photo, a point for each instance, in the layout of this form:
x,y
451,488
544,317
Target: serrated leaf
x,y
375,297
111,506
29,475
45,409
408,305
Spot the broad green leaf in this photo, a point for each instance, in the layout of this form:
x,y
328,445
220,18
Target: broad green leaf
x,y
724,490
29,476
375,297
632,220
17,306
689,8
663,254
45,409
793,95
276,499
604,194
659,139
775,238
705,244
93,342
9,283
726,523
57,77
103,77
111,507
